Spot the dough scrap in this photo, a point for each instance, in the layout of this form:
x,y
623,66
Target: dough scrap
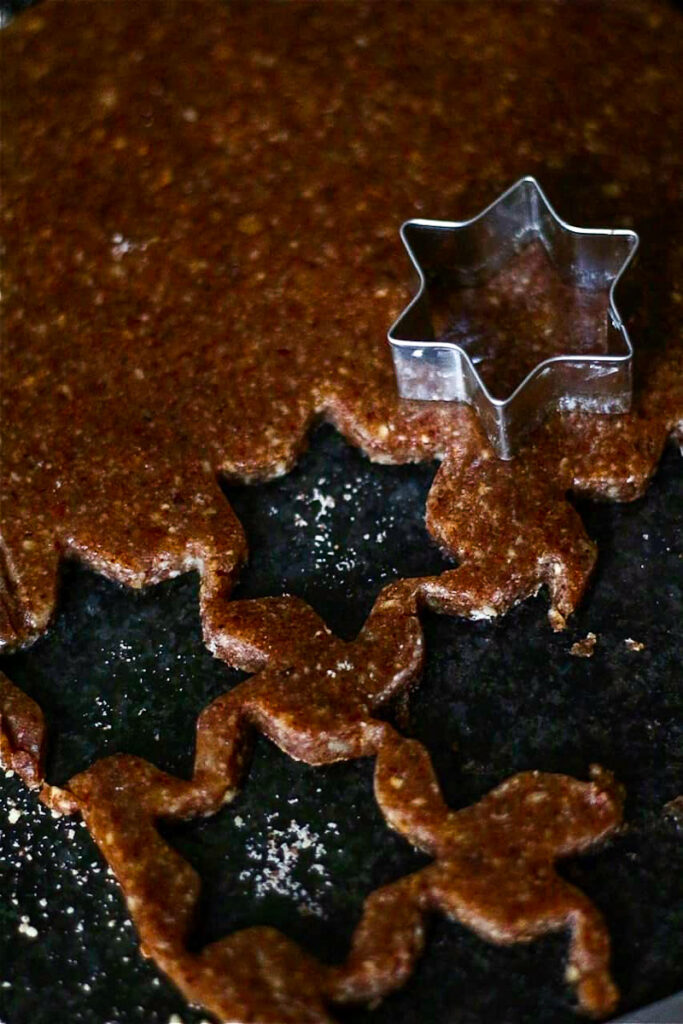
x,y
492,868
492,871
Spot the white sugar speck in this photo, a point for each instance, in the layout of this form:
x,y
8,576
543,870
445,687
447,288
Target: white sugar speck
x,y
326,502
121,246
289,861
323,519
27,929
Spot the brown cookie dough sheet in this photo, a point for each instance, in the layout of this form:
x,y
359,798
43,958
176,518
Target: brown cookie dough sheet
x,y
201,212
317,698
201,207
257,974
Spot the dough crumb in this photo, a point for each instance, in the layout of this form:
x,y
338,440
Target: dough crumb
x,y
584,648
674,809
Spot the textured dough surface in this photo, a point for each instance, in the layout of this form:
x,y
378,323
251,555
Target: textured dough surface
x,y
201,208
200,218
22,734
314,696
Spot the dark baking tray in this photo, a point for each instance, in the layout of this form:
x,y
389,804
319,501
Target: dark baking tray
x,y
127,671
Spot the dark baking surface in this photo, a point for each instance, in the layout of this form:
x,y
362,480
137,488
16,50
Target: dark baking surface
x,y
121,670
127,671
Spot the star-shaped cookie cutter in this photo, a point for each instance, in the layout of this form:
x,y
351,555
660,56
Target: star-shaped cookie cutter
x,y
430,368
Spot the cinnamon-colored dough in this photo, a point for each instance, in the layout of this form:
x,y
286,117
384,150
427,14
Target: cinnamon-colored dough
x,y
522,315
201,207
22,734
493,867
315,696
493,870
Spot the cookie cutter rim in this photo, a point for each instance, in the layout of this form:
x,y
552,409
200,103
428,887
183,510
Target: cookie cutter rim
x,y
600,374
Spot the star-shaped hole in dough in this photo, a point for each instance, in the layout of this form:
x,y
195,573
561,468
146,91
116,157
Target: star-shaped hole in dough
x,y
492,870
315,696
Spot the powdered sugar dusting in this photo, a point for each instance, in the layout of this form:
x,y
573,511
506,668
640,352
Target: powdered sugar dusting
x,y
289,859
56,888
327,519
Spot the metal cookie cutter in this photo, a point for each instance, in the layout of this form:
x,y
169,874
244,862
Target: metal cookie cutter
x,y
453,255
